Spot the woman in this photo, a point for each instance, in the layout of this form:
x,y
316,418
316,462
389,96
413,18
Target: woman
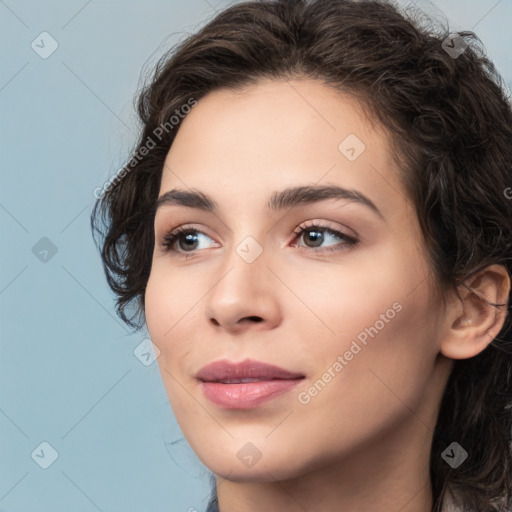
x,y
316,227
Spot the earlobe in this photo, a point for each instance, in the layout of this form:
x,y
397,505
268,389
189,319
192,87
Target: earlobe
x,y
474,320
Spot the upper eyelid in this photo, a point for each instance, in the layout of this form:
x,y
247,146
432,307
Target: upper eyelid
x,y
309,224
323,225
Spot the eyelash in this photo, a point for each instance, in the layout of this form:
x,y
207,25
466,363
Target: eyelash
x,y
169,239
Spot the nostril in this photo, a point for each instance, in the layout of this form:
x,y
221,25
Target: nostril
x,y
255,318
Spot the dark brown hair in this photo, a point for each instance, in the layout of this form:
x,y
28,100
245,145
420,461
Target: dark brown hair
x,y
451,128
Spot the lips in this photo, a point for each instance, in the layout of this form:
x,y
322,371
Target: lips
x,y
248,370
246,384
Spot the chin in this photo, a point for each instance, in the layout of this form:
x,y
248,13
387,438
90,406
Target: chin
x,y
272,466
260,473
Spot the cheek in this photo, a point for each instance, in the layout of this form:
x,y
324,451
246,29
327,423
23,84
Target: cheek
x,y
339,301
377,382
171,322
388,355
172,302
379,314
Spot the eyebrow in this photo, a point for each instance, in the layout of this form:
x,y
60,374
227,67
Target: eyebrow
x,y
279,200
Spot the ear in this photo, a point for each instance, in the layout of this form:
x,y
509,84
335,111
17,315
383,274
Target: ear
x,y
472,323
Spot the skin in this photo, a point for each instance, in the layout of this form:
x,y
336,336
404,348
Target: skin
x,y
362,442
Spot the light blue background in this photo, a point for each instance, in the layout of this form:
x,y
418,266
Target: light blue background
x,y
68,375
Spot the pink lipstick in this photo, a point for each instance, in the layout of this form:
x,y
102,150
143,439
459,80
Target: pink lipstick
x,y
246,384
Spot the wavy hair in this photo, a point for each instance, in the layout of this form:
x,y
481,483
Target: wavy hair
x,y
450,122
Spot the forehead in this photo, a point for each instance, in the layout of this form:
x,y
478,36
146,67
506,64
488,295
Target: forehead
x,y
277,134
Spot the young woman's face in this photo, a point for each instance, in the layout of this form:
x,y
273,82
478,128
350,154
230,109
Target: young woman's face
x,y
347,307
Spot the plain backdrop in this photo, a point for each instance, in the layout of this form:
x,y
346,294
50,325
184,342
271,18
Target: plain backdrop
x,y
70,377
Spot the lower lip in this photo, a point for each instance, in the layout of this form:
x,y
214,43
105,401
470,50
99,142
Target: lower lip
x,y
246,395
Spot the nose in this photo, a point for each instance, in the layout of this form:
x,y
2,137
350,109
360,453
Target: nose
x,y
244,298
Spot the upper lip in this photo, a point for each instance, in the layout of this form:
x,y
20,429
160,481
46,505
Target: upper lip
x,y
249,368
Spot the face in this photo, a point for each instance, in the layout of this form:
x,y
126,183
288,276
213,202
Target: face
x,y
329,285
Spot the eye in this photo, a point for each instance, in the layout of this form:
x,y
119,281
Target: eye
x,y
318,234
188,236
187,239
